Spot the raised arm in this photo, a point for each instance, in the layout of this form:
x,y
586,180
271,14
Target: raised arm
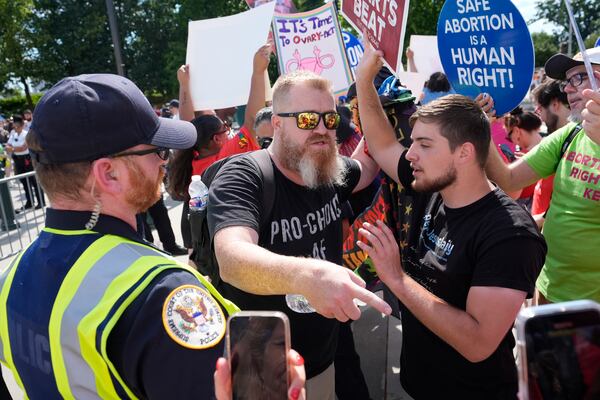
x,y
368,167
328,287
410,57
186,107
512,177
257,96
380,135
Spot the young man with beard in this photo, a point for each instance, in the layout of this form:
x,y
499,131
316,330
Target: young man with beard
x,y
464,273
552,104
89,310
299,249
572,224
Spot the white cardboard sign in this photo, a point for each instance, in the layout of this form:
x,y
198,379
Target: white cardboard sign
x,y
220,53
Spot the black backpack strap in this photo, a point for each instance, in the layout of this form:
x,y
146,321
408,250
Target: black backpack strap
x,y
265,165
568,141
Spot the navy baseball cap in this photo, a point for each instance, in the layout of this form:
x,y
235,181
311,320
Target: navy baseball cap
x,y
559,64
86,117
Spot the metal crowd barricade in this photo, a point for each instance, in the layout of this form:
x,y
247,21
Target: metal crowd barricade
x,y
19,226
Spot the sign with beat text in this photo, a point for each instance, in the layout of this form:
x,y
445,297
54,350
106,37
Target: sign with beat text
x,y
485,46
312,41
384,22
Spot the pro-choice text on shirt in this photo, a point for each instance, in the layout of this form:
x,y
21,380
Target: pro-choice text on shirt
x,y
287,230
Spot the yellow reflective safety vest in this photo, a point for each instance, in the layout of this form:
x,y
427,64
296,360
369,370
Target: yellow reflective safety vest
x,y
54,329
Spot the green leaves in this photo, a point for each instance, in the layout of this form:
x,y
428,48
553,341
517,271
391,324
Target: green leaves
x,y
587,15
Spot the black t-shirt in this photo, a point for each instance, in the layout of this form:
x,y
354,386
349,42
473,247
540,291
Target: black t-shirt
x,y
492,242
303,222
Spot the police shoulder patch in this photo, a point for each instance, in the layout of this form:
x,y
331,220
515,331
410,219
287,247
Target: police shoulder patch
x,y
193,318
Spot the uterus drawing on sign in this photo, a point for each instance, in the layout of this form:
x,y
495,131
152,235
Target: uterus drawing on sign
x,y
314,64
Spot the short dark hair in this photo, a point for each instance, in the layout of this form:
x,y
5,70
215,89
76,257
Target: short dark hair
x,y
549,90
18,119
460,120
263,115
438,82
523,119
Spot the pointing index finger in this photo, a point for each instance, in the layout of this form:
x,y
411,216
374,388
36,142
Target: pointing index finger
x,y
373,300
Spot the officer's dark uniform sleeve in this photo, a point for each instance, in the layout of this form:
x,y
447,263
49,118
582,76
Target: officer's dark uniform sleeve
x,y
152,364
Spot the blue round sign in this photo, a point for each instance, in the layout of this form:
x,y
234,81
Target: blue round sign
x,y
597,42
485,47
354,50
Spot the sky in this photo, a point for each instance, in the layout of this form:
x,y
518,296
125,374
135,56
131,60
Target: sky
x,y
527,9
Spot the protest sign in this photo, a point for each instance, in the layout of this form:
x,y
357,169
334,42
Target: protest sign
x,y
354,50
597,43
478,42
312,41
413,81
281,6
426,55
384,23
224,81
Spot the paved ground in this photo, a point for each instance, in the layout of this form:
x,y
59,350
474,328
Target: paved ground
x,y
378,338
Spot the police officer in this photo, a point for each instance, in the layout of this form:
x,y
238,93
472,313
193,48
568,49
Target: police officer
x,y
89,310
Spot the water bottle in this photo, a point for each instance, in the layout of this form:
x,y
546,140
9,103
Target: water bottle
x,y
298,303
198,194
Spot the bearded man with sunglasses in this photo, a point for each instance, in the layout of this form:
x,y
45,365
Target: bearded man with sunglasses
x,y
89,309
572,153
299,249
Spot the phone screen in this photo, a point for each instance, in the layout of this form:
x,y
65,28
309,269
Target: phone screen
x,y
507,152
563,355
258,357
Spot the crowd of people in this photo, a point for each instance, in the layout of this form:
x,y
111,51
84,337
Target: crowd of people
x,y
108,314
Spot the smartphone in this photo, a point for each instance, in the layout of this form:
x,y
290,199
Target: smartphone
x,y
257,346
507,152
559,351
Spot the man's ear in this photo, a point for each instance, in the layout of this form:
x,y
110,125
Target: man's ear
x,y
276,121
107,175
466,153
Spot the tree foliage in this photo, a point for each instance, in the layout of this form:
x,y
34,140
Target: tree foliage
x,y
16,57
545,46
586,12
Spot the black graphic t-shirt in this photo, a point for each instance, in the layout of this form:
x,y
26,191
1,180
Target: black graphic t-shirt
x,y
303,222
492,242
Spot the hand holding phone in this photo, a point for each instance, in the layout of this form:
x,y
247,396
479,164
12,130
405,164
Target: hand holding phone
x,y
258,347
507,152
559,351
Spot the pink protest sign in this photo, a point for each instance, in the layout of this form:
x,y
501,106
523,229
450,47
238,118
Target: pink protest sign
x,y
313,41
385,24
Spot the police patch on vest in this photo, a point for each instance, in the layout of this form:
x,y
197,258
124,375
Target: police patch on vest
x,y
193,318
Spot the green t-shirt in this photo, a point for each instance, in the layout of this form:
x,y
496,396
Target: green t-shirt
x,y
572,227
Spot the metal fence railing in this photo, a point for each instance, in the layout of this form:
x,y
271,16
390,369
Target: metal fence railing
x,y
22,212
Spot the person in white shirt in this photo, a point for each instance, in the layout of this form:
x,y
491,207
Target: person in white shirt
x,y
17,147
